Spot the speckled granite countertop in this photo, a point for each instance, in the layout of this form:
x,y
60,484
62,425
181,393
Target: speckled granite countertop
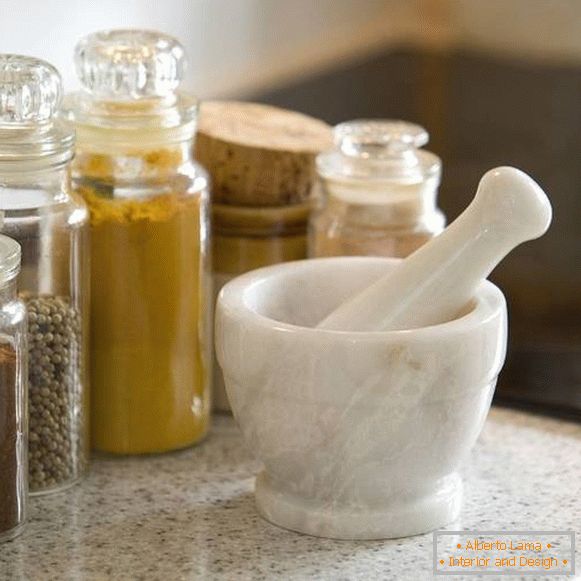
x,y
190,515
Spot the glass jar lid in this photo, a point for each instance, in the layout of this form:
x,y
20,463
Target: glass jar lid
x,y
30,96
124,65
130,80
379,150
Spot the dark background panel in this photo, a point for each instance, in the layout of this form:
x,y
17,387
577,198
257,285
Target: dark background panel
x,y
482,112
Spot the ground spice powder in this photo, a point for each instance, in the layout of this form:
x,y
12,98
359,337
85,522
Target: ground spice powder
x,y
148,347
10,449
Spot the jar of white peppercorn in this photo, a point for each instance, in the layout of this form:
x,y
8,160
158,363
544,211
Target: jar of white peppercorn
x,y
13,443
50,224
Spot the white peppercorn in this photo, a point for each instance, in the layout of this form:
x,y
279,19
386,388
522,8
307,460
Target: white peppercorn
x,y
54,356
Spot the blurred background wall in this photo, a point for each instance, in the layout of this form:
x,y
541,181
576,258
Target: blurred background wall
x,y
233,46
494,81
242,46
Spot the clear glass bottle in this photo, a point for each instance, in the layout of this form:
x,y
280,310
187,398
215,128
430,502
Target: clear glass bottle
x,y
261,160
376,193
51,225
245,238
150,306
13,396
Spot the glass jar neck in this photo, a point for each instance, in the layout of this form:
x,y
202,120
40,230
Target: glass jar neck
x,y
377,205
35,147
150,162
118,127
34,188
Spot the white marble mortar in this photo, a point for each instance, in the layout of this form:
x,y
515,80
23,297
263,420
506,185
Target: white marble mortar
x,y
362,435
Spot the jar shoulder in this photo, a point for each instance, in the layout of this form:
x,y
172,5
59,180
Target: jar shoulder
x,y
371,222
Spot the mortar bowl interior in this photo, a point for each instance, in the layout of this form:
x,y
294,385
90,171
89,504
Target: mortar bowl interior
x,y
362,434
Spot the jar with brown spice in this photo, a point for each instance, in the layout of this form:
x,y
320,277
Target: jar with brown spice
x,y
376,192
13,396
150,305
51,225
261,161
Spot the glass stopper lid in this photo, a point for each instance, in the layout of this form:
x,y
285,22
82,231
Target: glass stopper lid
x,y
123,65
30,97
30,90
381,138
378,149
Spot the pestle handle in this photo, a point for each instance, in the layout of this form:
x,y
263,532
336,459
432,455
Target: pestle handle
x,y
434,283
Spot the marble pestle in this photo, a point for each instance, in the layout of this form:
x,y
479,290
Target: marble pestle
x,y
437,281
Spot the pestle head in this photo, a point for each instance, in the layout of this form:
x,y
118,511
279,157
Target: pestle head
x,y
512,204
433,284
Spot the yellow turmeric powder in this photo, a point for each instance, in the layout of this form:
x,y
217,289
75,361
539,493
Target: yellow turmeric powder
x,y
149,341
151,344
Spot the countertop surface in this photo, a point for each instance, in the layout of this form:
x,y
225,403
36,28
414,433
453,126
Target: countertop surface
x,y
190,515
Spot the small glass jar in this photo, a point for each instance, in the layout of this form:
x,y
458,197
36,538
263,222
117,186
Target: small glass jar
x,y
51,225
150,307
245,238
13,396
261,160
376,193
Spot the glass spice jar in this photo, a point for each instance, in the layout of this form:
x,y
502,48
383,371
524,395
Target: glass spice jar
x,y
150,310
376,192
246,238
249,238
51,225
261,162
13,396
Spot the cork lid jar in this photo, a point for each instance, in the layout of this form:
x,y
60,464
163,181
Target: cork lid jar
x,y
259,155
262,163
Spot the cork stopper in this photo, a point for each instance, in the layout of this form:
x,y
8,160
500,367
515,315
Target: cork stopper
x,y
259,155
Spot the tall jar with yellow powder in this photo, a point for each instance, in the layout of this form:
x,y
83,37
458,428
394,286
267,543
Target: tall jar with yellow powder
x,y
150,334
262,163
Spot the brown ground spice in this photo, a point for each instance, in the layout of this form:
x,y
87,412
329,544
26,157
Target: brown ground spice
x,y
9,448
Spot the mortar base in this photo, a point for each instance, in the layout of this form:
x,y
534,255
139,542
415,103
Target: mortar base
x,y
403,517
